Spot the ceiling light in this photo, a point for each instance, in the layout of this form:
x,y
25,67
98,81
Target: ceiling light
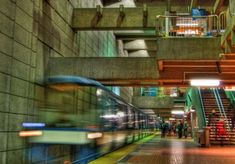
x,y
192,110
205,82
177,112
187,24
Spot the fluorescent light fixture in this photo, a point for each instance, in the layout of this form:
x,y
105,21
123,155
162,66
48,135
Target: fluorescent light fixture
x,y
94,135
120,114
33,125
98,92
205,82
30,133
109,116
177,112
173,94
172,119
187,24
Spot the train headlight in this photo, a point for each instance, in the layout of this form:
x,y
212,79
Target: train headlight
x,y
30,133
94,135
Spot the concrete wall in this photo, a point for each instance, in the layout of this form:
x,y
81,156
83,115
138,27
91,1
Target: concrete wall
x,y
148,102
31,31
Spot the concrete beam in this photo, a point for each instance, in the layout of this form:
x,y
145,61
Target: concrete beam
x,y
188,48
140,45
142,53
148,102
105,68
116,18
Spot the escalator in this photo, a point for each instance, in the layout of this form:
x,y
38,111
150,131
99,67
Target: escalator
x,y
206,100
216,99
209,102
228,111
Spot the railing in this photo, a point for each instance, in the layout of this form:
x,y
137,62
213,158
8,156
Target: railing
x,y
231,97
218,103
187,26
222,22
202,106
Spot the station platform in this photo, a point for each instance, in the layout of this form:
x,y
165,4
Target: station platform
x,y
170,150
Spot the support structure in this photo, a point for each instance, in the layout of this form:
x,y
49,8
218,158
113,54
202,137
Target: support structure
x,y
116,18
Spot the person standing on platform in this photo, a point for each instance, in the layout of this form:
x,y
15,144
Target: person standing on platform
x,y
221,130
180,129
185,129
163,129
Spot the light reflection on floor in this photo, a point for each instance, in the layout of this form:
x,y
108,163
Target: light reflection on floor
x,y
180,151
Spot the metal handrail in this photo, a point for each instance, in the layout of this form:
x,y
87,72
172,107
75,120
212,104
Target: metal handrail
x,y
187,16
217,102
222,20
202,105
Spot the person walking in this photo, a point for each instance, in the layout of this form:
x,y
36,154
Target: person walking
x,y
185,129
180,129
221,131
163,129
212,118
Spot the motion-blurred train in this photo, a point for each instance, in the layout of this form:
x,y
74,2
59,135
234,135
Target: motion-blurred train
x,y
81,111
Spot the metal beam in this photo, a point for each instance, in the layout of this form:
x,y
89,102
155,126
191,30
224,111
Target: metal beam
x,y
116,18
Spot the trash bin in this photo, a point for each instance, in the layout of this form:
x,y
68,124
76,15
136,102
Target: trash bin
x,y
201,137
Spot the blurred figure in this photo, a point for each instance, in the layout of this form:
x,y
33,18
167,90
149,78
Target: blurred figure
x,y
174,129
220,127
180,129
212,118
163,129
185,129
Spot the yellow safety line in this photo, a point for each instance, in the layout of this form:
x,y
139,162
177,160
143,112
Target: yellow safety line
x,y
115,156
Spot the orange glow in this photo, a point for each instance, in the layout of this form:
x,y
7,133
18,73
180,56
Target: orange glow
x,y
229,88
64,87
30,133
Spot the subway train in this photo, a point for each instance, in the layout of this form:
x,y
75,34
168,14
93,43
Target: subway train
x,y
83,113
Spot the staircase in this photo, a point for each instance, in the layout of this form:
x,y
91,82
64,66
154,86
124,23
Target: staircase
x,y
209,102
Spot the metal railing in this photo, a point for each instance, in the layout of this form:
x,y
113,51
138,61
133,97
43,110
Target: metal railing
x,y
187,26
222,22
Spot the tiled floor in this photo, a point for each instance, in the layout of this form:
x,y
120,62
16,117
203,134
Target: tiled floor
x,y
179,151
